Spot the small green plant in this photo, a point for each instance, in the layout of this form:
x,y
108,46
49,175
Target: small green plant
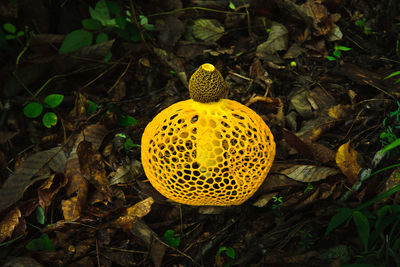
x,y
276,207
388,138
128,144
384,221
309,187
337,52
229,252
396,73
106,17
11,31
43,243
362,23
170,239
34,109
307,238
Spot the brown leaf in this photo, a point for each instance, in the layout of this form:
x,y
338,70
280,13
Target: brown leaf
x,y
94,134
133,213
8,223
15,186
277,40
50,188
92,167
392,181
346,160
308,173
298,144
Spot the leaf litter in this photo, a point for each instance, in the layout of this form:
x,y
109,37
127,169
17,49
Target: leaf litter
x,y
85,172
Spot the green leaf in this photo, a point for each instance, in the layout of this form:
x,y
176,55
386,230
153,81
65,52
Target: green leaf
x,y
121,22
342,48
392,74
129,144
92,107
229,251
114,8
10,28
40,218
337,53
231,5
343,215
10,37
108,56
363,227
101,38
391,146
126,120
20,33
33,110
41,244
53,100
102,14
330,58
49,119
76,40
91,24
170,239
143,20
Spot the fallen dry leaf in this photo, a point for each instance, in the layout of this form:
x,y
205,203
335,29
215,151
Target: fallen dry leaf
x,y
346,160
15,186
133,213
277,40
8,223
308,173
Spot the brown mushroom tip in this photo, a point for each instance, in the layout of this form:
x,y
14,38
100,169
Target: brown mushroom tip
x,y
207,84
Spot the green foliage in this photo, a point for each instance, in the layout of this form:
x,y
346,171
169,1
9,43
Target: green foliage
x,y
396,73
337,52
309,187
34,109
11,31
229,251
170,239
106,16
276,207
43,243
91,108
388,138
40,217
362,23
128,144
370,226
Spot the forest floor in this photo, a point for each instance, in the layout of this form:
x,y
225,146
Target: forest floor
x,y
82,79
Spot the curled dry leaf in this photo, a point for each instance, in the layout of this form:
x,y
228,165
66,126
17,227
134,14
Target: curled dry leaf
x,y
346,160
308,173
134,213
92,167
15,186
94,134
50,188
277,40
8,223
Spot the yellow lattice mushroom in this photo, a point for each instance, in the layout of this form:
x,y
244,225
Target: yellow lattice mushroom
x,y
207,150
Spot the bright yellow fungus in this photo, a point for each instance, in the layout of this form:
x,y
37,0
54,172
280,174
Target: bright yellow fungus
x,y
207,152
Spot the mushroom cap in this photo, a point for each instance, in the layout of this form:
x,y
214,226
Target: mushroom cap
x,y
215,153
207,84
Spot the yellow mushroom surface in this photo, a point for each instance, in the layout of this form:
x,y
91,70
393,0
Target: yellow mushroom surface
x,y
207,153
